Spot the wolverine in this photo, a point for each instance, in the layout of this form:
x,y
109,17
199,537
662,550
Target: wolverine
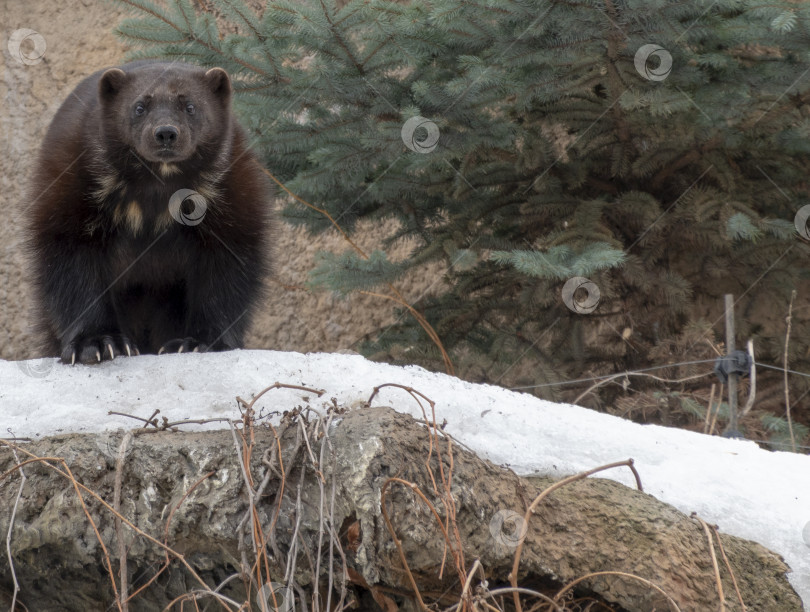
x,y
149,224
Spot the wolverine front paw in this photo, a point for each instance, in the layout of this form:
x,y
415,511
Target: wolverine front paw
x,y
183,345
95,349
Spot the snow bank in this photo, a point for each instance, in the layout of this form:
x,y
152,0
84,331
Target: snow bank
x,y
749,492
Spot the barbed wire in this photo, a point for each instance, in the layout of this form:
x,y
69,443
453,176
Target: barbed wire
x,y
672,365
781,369
650,369
615,375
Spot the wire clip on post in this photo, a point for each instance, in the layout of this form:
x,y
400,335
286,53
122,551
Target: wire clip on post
x,y
738,362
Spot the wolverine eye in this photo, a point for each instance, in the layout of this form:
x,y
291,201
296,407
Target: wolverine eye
x,y
190,108
140,109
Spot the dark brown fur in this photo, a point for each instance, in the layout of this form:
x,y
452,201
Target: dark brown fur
x,y
115,271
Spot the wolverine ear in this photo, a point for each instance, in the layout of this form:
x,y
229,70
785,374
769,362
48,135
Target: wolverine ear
x,y
218,82
111,83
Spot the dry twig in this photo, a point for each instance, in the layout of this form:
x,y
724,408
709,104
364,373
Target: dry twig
x,y
604,381
752,387
708,410
67,473
713,556
415,488
787,391
122,545
168,560
446,494
582,475
652,585
728,566
716,410
10,529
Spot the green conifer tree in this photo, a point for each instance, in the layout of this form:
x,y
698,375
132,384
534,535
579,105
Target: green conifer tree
x,y
656,149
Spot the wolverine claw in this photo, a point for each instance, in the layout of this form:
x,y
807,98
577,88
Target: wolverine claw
x,y
96,348
182,345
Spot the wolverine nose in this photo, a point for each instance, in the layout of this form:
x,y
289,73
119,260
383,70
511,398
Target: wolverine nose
x,y
166,135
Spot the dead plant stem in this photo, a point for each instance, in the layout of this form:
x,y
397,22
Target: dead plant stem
x,y
23,478
530,510
79,487
787,391
728,566
119,532
713,555
709,410
652,585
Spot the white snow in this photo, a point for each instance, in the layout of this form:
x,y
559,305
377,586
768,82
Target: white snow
x,y
749,492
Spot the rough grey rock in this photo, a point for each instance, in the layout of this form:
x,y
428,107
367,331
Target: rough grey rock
x,y
590,525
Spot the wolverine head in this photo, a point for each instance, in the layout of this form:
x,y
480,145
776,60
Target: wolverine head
x,y
165,112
